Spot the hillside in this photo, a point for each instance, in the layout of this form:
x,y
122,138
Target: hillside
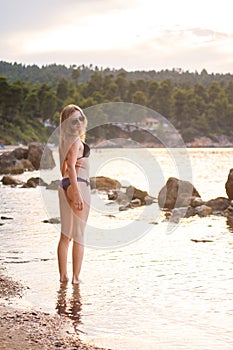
x,y
198,105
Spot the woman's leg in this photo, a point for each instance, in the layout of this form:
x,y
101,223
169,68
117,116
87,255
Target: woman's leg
x,y
62,252
79,221
77,255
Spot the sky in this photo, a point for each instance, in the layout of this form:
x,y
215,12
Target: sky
x,y
130,34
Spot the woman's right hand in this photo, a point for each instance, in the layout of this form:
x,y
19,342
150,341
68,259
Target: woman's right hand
x,y
76,198
78,201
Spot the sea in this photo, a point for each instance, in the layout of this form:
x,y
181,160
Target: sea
x,y
146,283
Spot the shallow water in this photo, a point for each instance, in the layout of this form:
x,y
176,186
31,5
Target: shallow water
x,y
162,291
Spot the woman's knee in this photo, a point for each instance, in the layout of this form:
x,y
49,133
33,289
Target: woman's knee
x,y
64,239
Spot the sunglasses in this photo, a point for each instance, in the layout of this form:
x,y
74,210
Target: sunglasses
x,y
75,121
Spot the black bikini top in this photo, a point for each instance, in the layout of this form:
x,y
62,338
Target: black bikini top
x,y
86,151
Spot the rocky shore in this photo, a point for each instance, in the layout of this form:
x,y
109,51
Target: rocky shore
x,y
33,329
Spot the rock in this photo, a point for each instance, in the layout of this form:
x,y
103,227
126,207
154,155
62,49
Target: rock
x,y
124,207
201,240
27,165
21,159
34,182
191,211
121,198
52,221
104,183
10,180
218,204
134,193
112,195
10,165
149,200
135,203
178,213
176,193
54,185
229,185
20,153
229,212
196,202
40,156
204,210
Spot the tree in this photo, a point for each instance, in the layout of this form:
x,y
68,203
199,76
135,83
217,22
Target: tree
x,y
122,84
62,89
31,106
139,98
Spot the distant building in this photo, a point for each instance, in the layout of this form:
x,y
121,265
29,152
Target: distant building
x,y
150,123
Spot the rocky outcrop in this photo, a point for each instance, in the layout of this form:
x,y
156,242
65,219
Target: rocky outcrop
x,y
176,193
10,165
36,156
34,182
180,199
8,180
103,183
40,156
229,185
53,185
131,197
218,205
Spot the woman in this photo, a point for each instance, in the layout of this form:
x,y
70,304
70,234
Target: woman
x,y
74,192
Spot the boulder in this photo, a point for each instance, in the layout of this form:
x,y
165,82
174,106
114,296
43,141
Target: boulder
x,y
178,213
119,196
176,193
132,197
196,202
204,210
229,212
20,153
218,204
10,181
104,183
134,193
229,185
52,221
27,165
135,203
54,185
40,156
37,156
10,165
34,182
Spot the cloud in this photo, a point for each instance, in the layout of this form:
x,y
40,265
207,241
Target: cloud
x,y
168,51
132,34
30,15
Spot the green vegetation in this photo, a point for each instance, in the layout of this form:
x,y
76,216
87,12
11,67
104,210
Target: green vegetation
x,y
196,104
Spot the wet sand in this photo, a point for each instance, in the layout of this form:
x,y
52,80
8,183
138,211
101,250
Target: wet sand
x,y
32,329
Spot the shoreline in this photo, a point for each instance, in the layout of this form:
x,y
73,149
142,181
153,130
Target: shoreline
x,y
33,330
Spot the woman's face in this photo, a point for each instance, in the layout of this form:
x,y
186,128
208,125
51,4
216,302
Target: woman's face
x,y
76,121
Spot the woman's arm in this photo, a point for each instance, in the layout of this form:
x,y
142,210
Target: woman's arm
x,y
64,167
74,152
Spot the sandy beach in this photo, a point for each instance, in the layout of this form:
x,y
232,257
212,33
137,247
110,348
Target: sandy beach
x,y
32,329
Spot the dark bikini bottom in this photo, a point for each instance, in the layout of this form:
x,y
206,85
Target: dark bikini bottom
x,y
65,183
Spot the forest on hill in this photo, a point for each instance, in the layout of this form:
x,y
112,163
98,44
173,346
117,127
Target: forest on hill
x,y
197,104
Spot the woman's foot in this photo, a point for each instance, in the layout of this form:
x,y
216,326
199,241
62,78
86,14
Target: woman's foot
x,y
64,279
76,280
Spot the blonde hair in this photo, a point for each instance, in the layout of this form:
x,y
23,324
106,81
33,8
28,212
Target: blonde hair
x,y
67,135
66,113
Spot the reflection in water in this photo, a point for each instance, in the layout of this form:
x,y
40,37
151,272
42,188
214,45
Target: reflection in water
x,y
70,307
